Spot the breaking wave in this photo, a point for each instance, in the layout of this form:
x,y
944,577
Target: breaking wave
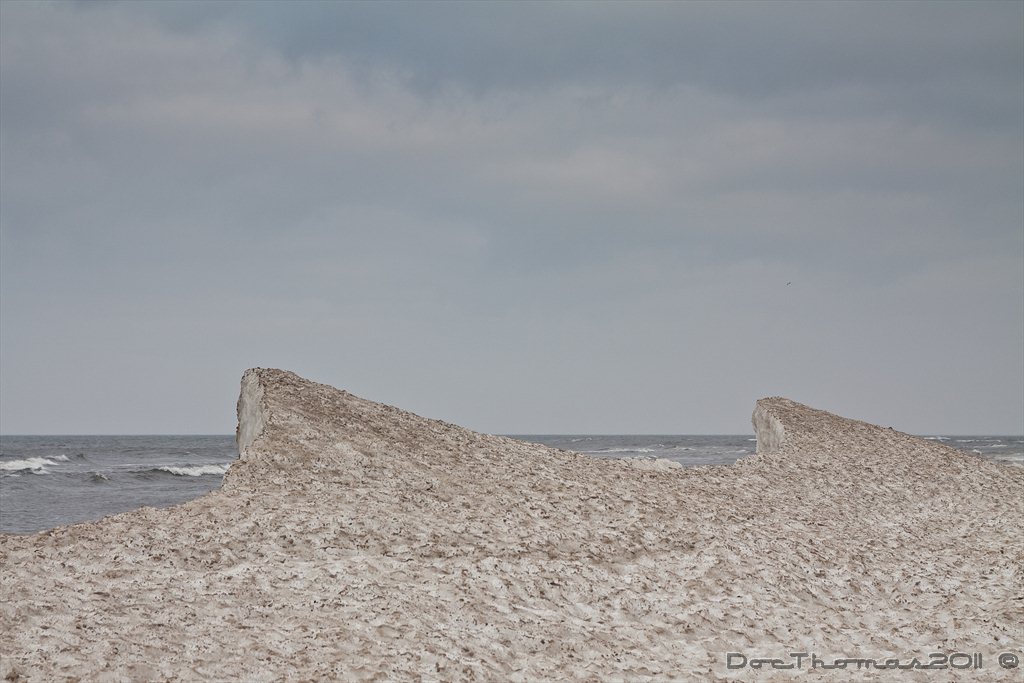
x,y
196,470
36,465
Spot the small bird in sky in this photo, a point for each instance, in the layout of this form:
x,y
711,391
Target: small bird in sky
x,y
788,284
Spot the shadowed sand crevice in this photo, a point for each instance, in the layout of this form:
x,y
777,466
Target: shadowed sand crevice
x,y
353,540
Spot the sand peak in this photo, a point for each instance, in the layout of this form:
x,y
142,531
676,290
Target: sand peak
x,y
352,540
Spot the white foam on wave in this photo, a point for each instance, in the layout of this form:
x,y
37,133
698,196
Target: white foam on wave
x,y
35,465
625,450
196,470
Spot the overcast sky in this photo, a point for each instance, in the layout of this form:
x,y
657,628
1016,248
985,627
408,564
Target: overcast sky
x,y
522,218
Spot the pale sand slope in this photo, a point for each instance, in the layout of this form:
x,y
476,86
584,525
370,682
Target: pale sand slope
x,y
355,541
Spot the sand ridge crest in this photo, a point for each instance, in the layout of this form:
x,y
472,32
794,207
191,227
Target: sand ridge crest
x,y
355,541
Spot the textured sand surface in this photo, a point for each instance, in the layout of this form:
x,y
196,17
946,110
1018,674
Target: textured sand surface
x,y
355,541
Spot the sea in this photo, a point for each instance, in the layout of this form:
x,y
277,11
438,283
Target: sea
x,y
48,481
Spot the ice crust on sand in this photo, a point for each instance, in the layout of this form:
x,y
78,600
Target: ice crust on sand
x,y
355,541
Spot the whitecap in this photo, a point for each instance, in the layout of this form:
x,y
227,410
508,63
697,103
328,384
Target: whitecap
x,y
624,450
35,465
196,470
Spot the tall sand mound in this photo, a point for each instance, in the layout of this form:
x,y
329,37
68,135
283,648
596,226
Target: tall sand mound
x,y
355,541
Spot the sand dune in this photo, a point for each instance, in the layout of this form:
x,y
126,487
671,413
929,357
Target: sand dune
x,y
355,541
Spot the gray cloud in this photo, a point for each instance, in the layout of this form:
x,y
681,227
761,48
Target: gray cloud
x,y
547,217
756,49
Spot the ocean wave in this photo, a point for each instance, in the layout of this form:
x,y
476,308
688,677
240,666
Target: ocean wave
x,y
36,465
195,470
624,450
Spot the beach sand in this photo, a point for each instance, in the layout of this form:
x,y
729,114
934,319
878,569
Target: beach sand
x,y
355,541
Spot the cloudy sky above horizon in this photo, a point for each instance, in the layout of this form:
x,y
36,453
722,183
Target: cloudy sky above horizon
x,y
522,217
